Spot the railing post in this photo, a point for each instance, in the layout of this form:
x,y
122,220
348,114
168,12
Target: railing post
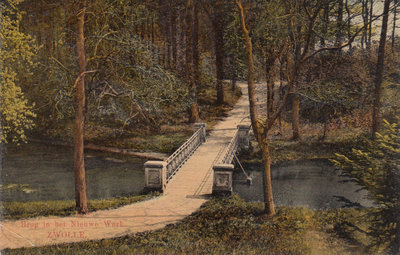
x,y
223,174
243,137
197,126
155,173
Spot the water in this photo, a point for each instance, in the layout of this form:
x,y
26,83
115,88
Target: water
x,y
36,172
314,184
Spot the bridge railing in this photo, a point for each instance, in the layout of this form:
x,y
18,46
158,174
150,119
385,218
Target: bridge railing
x,y
223,170
229,153
159,173
179,157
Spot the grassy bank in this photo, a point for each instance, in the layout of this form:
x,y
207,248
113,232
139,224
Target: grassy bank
x,y
232,226
284,149
23,210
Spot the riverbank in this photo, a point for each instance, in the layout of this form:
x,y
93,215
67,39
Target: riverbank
x,y
310,147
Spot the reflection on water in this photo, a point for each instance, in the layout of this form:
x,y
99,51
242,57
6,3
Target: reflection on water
x,y
315,184
37,172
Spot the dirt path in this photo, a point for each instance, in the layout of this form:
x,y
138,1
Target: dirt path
x,y
185,194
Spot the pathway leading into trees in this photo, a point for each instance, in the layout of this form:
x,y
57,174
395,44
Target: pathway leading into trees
x,y
186,192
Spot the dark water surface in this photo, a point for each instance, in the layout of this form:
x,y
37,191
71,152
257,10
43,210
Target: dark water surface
x,y
315,184
35,172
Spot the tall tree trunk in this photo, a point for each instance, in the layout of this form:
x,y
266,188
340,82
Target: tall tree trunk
x,y
365,15
168,30
376,118
270,79
257,129
182,44
173,38
325,22
80,175
349,34
296,117
339,24
371,17
394,26
194,109
296,98
219,48
196,53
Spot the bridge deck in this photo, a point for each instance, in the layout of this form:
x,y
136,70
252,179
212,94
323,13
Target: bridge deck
x,y
186,192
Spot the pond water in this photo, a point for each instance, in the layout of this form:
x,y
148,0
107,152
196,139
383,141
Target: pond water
x,y
35,172
315,184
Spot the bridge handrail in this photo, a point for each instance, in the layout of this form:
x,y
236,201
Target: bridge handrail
x,y
229,153
179,157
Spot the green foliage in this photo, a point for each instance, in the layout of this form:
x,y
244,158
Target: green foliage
x,y
16,58
376,167
130,86
233,39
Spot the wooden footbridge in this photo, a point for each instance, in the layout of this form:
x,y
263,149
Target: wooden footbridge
x,y
201,166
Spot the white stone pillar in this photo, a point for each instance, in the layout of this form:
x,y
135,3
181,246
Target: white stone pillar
x,y
223,175
197,126
155,173
244,139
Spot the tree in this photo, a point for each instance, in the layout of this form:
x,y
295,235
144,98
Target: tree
x,y
218,23
191,69
79,162
256,125
395,10
299,51
376,118
375,165
17,52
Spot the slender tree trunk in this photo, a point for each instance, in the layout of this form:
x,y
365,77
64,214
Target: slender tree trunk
x,y
339,24
173,38
182,44
365,15
270,78
371,16
296,97
325,22
394,27
376,118
267,183
296,117
168,30
219,48
194,109
196,53
257,129
349,34
80,175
